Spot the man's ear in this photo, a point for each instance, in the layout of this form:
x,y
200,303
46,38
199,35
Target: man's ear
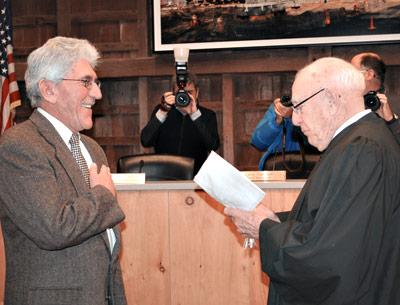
x,y
333,103
369,74
48,90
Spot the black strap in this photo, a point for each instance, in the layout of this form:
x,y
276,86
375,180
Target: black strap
x,y
302,153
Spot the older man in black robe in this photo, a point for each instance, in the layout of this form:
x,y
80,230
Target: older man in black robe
x,y
340,243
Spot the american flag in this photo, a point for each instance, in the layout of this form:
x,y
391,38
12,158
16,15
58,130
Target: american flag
x,y
10,98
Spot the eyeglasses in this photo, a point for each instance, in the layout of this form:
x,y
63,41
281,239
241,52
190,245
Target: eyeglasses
x,y
296,107
87,83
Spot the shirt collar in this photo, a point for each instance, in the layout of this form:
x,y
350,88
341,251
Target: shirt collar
x,y
60,127
352,120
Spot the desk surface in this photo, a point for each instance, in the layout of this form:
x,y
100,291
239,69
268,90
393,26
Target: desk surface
x,y
191,185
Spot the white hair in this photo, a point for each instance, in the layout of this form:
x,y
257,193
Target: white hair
x,y
334,73
53,61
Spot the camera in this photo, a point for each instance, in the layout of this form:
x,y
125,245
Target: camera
x,y
182,98
372,101
286,100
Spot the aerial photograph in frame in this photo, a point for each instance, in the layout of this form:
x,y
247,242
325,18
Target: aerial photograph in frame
x,y
210,24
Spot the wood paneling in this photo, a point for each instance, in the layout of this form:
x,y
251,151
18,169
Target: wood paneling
x,y
179,248
145,258
238,84
228,135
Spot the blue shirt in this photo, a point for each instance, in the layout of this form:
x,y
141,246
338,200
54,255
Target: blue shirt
x,y
267,136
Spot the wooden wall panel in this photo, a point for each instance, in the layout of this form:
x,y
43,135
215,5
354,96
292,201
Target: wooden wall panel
x,y
392,87
145,260
228,119
33,23
237,84
157,87
33,8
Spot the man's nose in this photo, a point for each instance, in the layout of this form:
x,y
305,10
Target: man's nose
x,y
296,118
95,91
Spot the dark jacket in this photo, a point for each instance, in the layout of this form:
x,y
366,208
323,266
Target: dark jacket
x,y
340,243
180,135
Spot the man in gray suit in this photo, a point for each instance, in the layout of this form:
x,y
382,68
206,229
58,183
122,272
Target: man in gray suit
x,y
60,229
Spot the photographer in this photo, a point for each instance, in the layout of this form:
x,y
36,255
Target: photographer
x,y
374,69
276,125
189,131
276,135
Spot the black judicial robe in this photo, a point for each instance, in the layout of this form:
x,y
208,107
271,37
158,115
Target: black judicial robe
x,y
341,242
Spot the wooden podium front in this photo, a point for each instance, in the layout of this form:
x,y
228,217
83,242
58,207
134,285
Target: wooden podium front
x,y
179,248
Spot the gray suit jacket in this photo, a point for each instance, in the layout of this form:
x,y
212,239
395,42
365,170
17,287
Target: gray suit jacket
x,y
57,250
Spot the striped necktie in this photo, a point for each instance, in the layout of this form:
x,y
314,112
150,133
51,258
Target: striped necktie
x,y
77,153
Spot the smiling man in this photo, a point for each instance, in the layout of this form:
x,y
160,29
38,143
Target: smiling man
x,y
339,244
58,206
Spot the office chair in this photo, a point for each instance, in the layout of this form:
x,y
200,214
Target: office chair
x,y
158,166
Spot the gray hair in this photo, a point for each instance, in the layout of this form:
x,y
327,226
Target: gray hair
x,y
53,61
334,73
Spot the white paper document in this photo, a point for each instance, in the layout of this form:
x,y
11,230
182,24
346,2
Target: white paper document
x,y
129,178
226,184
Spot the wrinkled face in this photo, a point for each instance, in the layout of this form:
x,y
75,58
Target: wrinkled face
x,y
313,116
74,99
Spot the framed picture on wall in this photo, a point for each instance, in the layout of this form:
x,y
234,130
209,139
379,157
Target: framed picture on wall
x,y
216,24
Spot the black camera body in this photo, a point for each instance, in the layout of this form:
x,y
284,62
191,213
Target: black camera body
x,y
372,101
182,98
286,100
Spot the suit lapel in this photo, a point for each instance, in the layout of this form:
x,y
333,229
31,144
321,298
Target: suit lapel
x,y
64,156
62,152
96,160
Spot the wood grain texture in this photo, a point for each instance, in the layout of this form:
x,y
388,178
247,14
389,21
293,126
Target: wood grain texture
x,y
179,248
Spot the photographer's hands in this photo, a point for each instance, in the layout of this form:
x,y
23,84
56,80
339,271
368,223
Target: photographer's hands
x,y
167,101
384,111
192,107
281,111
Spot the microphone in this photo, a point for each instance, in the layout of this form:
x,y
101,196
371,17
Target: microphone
x,y
141,164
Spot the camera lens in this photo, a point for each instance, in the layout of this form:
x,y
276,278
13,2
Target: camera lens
x,y
286,100
182,98
371,101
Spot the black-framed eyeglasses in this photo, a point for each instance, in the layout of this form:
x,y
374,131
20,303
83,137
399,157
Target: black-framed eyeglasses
x,y
296,107
87,83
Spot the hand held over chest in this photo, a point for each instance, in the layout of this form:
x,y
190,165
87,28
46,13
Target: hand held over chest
x,y
102,177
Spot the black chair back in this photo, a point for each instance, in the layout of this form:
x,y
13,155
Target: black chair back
x,y
158,166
